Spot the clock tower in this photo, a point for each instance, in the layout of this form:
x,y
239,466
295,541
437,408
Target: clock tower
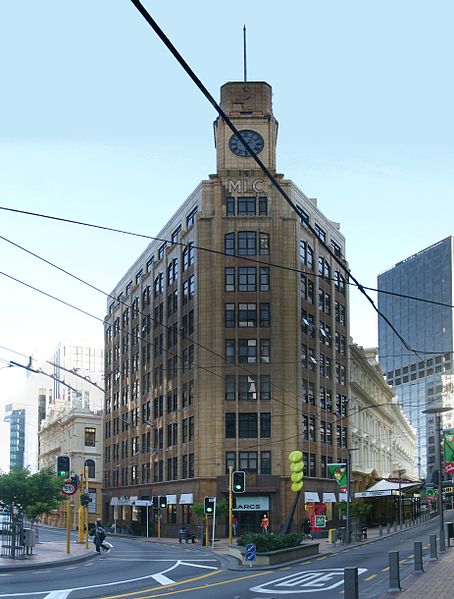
x,y
249,106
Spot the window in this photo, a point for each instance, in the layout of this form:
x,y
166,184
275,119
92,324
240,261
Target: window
x,y
230,351
263,206
336,248
230,206
247,243
229,279
247,279
161,250
230,425
265,315
190,219
310,257
90,464
230,387
248,461
265,387
265,351
247,315
176,234
265,462
90,436
264,244
264,278
247,351
229,244
247,387
303,251
247,426
229,316
320,233
230,461
265,425
246,206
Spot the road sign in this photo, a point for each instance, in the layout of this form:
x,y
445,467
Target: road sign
x,y
250,552
320,521
68,488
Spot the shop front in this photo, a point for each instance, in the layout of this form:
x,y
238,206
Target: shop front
x,y
249,511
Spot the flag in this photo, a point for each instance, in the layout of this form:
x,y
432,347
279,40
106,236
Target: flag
x,y
339,473
448,450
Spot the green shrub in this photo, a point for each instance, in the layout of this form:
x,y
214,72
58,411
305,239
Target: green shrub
x,y
270,542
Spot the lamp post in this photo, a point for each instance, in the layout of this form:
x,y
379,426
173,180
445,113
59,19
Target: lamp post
x,y
437,412
400,472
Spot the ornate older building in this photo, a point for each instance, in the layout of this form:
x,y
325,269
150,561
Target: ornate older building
x,y
227,342
382,439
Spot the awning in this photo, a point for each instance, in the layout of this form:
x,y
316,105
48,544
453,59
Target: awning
x,y
171,499
386,488
310,497
186,499
329,498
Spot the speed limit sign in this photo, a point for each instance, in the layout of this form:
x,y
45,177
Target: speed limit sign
x,y
69,488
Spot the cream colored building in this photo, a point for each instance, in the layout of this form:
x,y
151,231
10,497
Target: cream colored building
x,y
77,433
227,345
382,440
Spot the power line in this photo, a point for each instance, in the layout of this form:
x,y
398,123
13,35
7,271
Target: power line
x,y
199,248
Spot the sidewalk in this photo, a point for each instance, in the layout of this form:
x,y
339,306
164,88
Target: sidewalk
x,y
48,554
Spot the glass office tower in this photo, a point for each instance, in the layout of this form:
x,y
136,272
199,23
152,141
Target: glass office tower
x,y
421,377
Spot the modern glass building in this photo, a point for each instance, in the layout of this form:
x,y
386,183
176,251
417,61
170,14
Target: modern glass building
x,y
421,377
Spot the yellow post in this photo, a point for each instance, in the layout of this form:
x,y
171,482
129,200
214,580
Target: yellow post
x,y
159,524
86,508
230,505
206,530
68,526
80,513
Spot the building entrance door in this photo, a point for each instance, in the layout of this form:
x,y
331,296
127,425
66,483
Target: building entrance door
x,y
249,521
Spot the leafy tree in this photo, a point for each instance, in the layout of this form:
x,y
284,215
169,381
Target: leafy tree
x,y
31,494
222,509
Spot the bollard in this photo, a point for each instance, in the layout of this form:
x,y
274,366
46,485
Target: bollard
x,y
388,528
433,547
380,530
394,572
418,556
395,526
351,586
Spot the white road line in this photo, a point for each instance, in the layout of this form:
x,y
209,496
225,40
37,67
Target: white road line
x,y
162,579
58,594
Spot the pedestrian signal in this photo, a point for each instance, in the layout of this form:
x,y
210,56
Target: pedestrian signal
x,y
297,470
63,465
239,481
208,505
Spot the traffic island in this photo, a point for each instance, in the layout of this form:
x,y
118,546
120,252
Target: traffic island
x,y
279,556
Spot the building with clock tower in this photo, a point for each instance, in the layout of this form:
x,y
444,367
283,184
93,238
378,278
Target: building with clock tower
x,y
226,345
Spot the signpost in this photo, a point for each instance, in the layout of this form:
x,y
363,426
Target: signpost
x,y
251,553
320,521
68,489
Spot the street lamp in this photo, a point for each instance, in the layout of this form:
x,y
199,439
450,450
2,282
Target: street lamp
x,y
349,492
437,412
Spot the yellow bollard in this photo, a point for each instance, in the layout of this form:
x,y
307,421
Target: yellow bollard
x,y
68,526
80,524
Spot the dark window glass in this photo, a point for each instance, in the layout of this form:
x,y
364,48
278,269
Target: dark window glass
x,y
265,462
246,206
230,387
247,243
247,351
229,279
247,387
263,206
247,315
230,206
265,315
229,244
248,461
247,426
230,425
264,278
247,279
265,425
230,315
230,351
265,387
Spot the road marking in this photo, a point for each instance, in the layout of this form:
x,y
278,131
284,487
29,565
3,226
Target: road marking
x,y
162,579
320,558
371,577
58,594
308,581
71,568
385,569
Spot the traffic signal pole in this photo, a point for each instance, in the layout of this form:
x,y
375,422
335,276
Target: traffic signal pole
x,y
80,514
86,507
159,524
68,526
230,506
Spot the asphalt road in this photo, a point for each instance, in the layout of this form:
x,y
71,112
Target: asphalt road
x,y
135,568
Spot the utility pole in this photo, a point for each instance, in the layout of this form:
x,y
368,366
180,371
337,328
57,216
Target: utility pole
x,y
230,505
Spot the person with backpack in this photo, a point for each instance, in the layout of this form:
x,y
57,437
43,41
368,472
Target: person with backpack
x,y
100,535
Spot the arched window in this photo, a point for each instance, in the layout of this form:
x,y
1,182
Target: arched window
x,y
90,464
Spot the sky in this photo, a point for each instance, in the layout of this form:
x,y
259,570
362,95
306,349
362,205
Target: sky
x,y
96,119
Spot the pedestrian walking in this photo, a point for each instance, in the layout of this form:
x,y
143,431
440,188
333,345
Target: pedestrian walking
x,y
307,528
100,535
265,523
234,525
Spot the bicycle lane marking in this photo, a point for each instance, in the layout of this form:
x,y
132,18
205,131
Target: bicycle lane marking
x,y
309,581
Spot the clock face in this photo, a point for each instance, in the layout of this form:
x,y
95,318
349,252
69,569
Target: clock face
x,y
252,138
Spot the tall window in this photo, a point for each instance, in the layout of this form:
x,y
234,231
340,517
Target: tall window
x,y
264,278
247,315
247,279
230,425
246,206
229,244
229,278
90,464
265,425
248,461
90,436
247,387
247,243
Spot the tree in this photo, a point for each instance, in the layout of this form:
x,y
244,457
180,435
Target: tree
x,y
31,494
222,509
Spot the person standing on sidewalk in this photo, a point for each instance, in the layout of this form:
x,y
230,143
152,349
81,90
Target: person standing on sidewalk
x,y
265,523
100,535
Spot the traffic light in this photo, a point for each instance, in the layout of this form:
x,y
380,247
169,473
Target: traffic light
x,y
208,506
239,481
163,502
297,470
85,499
155,502
63,465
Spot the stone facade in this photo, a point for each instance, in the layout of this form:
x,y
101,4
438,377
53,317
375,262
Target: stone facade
x,y
227,345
